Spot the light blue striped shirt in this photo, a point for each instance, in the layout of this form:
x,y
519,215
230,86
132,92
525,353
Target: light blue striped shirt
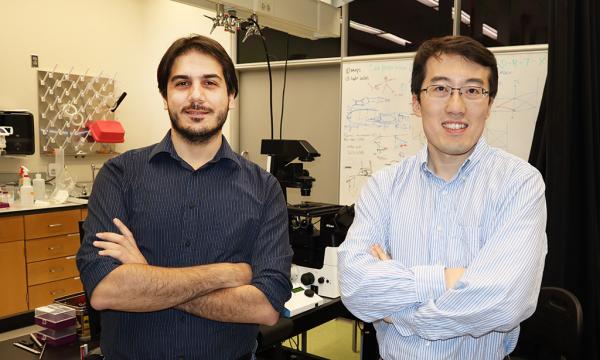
x,y
490,219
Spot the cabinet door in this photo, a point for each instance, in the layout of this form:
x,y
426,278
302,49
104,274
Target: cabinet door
x,y
11,228
12,277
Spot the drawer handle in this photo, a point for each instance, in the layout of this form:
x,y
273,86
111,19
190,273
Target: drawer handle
x,y
54,225
56,292
70,235
56,270
57,247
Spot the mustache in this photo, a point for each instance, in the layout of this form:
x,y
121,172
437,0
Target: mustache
x,y
197,106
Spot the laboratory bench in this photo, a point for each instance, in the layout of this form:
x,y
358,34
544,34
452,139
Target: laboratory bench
x,y
37,265
269,338
37,257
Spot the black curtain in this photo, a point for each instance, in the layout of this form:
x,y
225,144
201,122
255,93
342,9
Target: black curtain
x,y
566,150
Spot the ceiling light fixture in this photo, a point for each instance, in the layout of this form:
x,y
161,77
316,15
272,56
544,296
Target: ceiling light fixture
x,y
365,28
374,31
430,3
394,38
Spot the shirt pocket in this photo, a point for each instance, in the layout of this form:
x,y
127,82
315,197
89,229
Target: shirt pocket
x,y
463,245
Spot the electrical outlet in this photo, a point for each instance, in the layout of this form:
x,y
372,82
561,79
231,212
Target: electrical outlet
x,y
35,61
266,5
52,169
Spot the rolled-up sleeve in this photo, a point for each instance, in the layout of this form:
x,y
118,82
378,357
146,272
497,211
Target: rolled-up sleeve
x,y
105,204
272,254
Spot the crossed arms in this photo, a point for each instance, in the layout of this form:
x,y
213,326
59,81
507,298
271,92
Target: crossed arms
x,y
211,291
118,277
496,292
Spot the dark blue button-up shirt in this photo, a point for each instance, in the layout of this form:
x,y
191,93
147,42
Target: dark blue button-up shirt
x,y
229,210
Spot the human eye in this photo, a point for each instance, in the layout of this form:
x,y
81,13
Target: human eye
x,y
472,91
439,90
182,83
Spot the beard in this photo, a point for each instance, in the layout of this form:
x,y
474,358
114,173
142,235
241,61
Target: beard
x,y
201,135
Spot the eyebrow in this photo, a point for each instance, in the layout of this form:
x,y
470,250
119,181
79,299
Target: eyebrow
x,y
444,78
186,77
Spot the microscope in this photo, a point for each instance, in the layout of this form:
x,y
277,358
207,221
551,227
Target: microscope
x,y
315,229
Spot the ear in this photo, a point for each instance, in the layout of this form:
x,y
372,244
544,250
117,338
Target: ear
x,y
165,105
231,102
489,109
416,105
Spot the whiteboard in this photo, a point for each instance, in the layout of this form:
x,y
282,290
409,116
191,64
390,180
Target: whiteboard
x,y
378,127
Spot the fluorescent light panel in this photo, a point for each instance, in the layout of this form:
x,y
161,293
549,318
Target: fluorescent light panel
x,y
365,28
378,32
394,38
430,3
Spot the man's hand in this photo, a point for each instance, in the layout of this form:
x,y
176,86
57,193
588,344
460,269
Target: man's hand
x,y
120,246
378,253
452,275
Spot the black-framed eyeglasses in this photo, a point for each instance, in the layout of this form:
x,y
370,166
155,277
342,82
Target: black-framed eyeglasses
x,y
467,92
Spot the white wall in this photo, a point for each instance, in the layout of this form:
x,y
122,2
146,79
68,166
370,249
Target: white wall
x,y
126,37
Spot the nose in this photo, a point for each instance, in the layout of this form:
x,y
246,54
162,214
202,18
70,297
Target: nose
x,y
455,104
197,92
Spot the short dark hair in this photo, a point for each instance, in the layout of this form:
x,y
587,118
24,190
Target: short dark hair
x,y
204,45
464,46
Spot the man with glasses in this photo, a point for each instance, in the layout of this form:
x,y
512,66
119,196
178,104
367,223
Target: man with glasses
x,y
446,253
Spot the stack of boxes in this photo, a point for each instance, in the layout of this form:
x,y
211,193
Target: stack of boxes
x,y
59,323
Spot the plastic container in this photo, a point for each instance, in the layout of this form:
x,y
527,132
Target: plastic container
x,y
55,316
78,303
57,337
26,192
39,187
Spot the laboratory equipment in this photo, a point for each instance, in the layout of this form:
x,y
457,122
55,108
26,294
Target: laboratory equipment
x,y
17,136
67,103
4,132
281,153
309,19
315,229
303,297
315,249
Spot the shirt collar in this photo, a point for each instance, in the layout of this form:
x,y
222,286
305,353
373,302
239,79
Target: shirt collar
x,y
480,149
166,146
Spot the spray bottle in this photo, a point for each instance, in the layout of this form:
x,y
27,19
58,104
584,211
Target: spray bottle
x,y
26,192
23,172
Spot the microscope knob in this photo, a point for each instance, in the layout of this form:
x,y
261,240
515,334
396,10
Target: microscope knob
x,y
307,278
309,292
321,280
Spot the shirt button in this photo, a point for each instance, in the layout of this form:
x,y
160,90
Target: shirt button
x,y
187,244
439,228
192,206
182,318
444,192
